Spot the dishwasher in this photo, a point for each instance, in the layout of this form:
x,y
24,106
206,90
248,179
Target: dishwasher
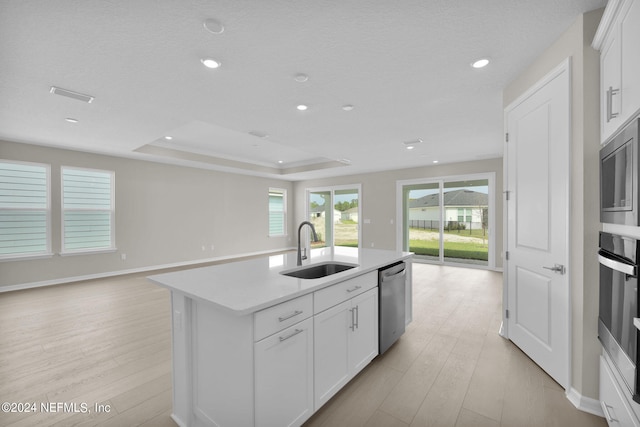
x,y
391,281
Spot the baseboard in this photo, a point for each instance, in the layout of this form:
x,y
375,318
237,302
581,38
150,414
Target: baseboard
x,y
64,280
585,404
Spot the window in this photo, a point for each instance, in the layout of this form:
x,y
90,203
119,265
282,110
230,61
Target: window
x,y
24,210
87,210
335,213
447,219
277,212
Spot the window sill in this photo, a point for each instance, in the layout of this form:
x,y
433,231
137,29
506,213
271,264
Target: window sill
x,y
25,257
89,252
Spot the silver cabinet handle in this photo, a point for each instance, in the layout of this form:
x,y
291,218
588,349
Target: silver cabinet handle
x,y
291,335
357,309
607,414
557,268
294,314
355,288
610,114
353,322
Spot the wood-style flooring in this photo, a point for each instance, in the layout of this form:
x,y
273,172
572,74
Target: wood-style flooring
x,y
107,343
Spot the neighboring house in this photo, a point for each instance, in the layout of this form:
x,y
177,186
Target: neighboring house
x,y
350,214
319,212
462,206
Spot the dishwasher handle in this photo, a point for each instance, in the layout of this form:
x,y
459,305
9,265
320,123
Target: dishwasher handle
x,y
396,270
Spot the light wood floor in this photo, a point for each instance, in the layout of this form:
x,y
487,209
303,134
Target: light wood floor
x,y
107,342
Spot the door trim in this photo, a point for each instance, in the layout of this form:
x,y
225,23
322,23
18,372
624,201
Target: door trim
x,y
564,66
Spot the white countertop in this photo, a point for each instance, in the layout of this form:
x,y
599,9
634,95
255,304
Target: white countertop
x,y
245,287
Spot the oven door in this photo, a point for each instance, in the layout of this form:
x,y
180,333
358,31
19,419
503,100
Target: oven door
x,y
618,309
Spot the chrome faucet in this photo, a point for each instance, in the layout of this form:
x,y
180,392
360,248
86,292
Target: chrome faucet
x,y
315,239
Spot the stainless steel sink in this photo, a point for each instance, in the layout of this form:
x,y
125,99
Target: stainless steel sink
x,y
317,271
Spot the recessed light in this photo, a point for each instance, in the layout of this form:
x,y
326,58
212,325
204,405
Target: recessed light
x,y
280,162
302,107
211,63
435,161
168,138
301,77
410,147
71,120
213,26
480,63
347,107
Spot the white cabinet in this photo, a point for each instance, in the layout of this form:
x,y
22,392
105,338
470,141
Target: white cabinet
x,y
617,39
345,340
284,376
614,405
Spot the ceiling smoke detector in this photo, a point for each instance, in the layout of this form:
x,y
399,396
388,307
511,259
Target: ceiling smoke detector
x,y
71,94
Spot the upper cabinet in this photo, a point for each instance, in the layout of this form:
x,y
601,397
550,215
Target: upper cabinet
x,y
617,39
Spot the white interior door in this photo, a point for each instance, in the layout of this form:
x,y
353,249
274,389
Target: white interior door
x,y
537,284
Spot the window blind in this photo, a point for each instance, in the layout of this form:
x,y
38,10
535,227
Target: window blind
x,y
24,209
87,204
276,212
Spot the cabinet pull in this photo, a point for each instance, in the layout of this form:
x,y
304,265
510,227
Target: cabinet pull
x,y
610,114
357,309
607,414
294,314
292,334
353,321
355,288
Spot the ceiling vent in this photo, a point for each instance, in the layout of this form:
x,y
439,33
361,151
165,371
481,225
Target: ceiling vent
x,y
71,94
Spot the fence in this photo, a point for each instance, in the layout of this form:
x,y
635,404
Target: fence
x,y
428,224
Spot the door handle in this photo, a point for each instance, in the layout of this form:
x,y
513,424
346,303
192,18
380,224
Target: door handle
x,y
610,113
557,268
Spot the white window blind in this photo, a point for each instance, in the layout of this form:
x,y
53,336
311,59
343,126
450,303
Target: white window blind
x,y
277,212
24,209
87,210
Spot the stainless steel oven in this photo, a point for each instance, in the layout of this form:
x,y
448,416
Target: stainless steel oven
x,y
619,177
618,313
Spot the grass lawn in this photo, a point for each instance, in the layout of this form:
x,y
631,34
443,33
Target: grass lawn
x,y
462,250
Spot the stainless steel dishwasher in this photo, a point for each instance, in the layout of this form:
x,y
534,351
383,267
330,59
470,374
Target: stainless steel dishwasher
x,y
391,281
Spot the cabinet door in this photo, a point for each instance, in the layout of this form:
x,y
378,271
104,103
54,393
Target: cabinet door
x,y
332,328
284,376
364,337
610,92
630,57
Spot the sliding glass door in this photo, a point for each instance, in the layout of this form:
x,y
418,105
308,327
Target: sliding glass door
x,y
447,220
335,214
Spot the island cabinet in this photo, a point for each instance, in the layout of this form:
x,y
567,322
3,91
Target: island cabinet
x,y
345,334
617,40
274,367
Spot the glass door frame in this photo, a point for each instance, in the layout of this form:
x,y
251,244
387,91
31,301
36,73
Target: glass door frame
x,y
402,215
332,190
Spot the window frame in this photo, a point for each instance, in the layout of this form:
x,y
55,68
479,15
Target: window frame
x,y
112,214
47,253
283,192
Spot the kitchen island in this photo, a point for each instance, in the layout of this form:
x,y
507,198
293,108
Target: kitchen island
x,y
252,346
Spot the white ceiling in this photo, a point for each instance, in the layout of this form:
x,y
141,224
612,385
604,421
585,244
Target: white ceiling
x,y
403,65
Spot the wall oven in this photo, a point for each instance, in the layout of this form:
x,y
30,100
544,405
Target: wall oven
x,y
619,177
618,256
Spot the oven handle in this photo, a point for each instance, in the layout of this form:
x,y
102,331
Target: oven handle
x,y
617,265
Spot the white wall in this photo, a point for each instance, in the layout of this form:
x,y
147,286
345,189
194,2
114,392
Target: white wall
x,y
585,223
164,215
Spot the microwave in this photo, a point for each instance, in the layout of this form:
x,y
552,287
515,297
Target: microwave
x,y
619,177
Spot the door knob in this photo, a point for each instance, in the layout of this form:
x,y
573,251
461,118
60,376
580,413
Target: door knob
x,y
557,268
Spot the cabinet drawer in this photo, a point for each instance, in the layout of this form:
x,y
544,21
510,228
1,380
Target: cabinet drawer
x,y
333,295
613,402
281,316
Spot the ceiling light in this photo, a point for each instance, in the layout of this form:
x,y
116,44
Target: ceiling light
x,y
302,107
168,138
480,63
410,147
347,107
280,161
435,161
301,77
71,120
210,63
213,26
259,134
